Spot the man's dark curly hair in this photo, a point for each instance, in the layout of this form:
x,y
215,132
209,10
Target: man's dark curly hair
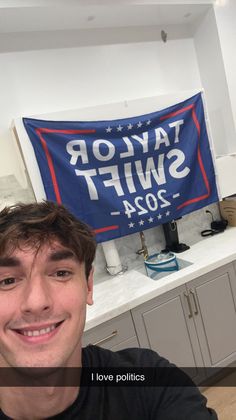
x,y
35,224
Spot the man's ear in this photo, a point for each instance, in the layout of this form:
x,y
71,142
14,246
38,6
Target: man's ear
x,y
90,287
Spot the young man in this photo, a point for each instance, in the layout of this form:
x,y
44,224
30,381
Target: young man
x,y
46,280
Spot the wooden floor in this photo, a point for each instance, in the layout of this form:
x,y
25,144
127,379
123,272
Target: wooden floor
x,y
223,398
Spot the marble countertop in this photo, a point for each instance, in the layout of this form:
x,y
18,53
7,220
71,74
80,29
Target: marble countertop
x,y
118,294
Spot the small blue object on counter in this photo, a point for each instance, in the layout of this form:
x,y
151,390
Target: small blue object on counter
x,y
162,262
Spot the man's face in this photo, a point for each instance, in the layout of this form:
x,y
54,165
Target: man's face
x,y
43,298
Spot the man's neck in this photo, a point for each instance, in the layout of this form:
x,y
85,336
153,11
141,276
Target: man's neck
x,y
41,402
36,403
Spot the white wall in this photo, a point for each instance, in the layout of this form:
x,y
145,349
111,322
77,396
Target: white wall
x,y
41,3
46,81
215,83
225,11
36,82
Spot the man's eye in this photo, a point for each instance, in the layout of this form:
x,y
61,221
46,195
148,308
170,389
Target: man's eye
x,y
63,273
7,283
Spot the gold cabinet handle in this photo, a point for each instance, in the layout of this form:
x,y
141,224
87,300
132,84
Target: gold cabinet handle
x,y
113,334
190,315
194,301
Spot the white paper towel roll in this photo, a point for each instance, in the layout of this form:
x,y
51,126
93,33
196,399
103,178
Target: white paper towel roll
x,y
112,257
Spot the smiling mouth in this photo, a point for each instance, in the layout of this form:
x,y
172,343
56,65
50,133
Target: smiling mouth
x,y
38,332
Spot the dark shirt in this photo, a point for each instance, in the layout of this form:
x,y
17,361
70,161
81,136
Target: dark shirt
x,y
169,401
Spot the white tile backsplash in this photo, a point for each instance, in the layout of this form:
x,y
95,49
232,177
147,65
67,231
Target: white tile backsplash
x,y
11,192
189,230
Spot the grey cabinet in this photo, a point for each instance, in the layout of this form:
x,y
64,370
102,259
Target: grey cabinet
x,y
213,301
116,334
193,325
163,324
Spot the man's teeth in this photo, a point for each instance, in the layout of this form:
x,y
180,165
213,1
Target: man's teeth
x,y
35,333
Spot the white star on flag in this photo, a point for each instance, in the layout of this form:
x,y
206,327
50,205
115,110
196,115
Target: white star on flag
x,y
159,216
131,225
150,219
141,222
148,122
167,213
129,126
108,129
119,128
139,124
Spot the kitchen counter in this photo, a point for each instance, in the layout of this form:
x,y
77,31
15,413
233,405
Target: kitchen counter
x,y
118,294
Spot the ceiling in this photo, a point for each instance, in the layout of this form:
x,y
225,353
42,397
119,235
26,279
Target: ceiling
x,y
61,18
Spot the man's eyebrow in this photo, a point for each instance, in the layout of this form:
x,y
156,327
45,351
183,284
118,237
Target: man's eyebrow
x,y
9,262
61,255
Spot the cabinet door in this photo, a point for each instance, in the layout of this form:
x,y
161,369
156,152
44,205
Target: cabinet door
x,y
165,325
116,334
215,315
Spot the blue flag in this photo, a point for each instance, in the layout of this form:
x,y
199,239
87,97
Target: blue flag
x,y
126,175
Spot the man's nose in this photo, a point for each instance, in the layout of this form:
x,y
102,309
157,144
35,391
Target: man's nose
x,y
36,296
